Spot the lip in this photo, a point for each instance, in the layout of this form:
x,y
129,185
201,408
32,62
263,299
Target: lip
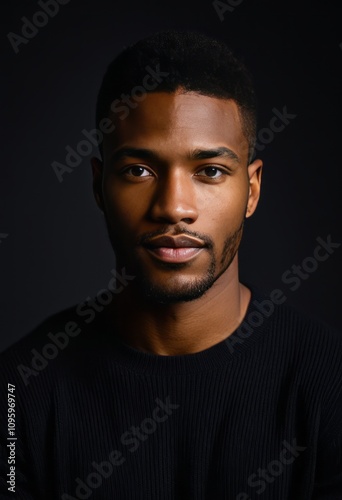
x,y
175,254
180,241
174,249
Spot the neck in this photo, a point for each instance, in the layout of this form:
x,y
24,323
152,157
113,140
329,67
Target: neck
x,y
185,327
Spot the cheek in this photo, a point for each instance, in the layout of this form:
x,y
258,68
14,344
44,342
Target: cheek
x,y
124,207
225,208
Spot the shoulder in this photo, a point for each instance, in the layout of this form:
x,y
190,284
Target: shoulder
x,y
54,343
60,321
310,349
315,336
293,324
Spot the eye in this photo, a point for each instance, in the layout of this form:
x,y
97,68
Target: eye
x,y
138,171
211,172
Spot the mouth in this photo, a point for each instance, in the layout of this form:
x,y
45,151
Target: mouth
x,y
176,249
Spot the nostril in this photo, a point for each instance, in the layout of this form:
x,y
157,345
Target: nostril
x,y
187,220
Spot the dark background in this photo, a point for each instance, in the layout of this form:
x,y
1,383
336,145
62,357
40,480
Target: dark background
x,y
57,252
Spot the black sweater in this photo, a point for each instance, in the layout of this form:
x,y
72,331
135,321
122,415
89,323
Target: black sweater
x,y
257,416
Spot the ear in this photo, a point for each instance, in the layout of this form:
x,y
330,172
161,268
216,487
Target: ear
x,y
254,175
97,168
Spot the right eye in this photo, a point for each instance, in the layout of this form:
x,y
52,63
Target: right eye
x,y
138,171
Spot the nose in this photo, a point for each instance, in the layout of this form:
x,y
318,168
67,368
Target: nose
x,y
174,199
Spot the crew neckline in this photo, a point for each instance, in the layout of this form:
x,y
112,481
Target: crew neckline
x,y
253,326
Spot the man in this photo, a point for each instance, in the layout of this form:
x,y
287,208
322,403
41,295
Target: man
x,y
180,382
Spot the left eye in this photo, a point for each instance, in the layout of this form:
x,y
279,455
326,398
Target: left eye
x,y
138,171
212,172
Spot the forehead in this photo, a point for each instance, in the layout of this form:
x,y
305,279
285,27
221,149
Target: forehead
x,y
176,120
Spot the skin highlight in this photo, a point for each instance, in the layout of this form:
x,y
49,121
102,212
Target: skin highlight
x,y
177,165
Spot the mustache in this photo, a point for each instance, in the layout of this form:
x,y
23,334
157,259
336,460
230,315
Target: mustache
x,y
146,237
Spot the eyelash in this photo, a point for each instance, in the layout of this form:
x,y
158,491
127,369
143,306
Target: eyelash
x,y
219,169
126,171
222,171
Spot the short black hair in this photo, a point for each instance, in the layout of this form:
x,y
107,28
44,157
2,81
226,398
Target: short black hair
x,y
193,61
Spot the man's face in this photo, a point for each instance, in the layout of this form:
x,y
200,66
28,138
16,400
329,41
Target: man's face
x,y
174,188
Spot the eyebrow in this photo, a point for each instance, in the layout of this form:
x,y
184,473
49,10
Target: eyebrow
x,y
196,154
205,154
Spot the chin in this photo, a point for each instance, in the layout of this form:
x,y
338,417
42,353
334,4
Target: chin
x,y
176,290
163,296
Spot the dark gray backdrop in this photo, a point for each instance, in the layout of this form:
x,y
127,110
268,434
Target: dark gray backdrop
x,y
54,250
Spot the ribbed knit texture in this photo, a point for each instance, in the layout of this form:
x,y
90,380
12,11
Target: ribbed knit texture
x,y
257,416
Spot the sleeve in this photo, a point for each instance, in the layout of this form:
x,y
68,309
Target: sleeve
x,y
328,476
